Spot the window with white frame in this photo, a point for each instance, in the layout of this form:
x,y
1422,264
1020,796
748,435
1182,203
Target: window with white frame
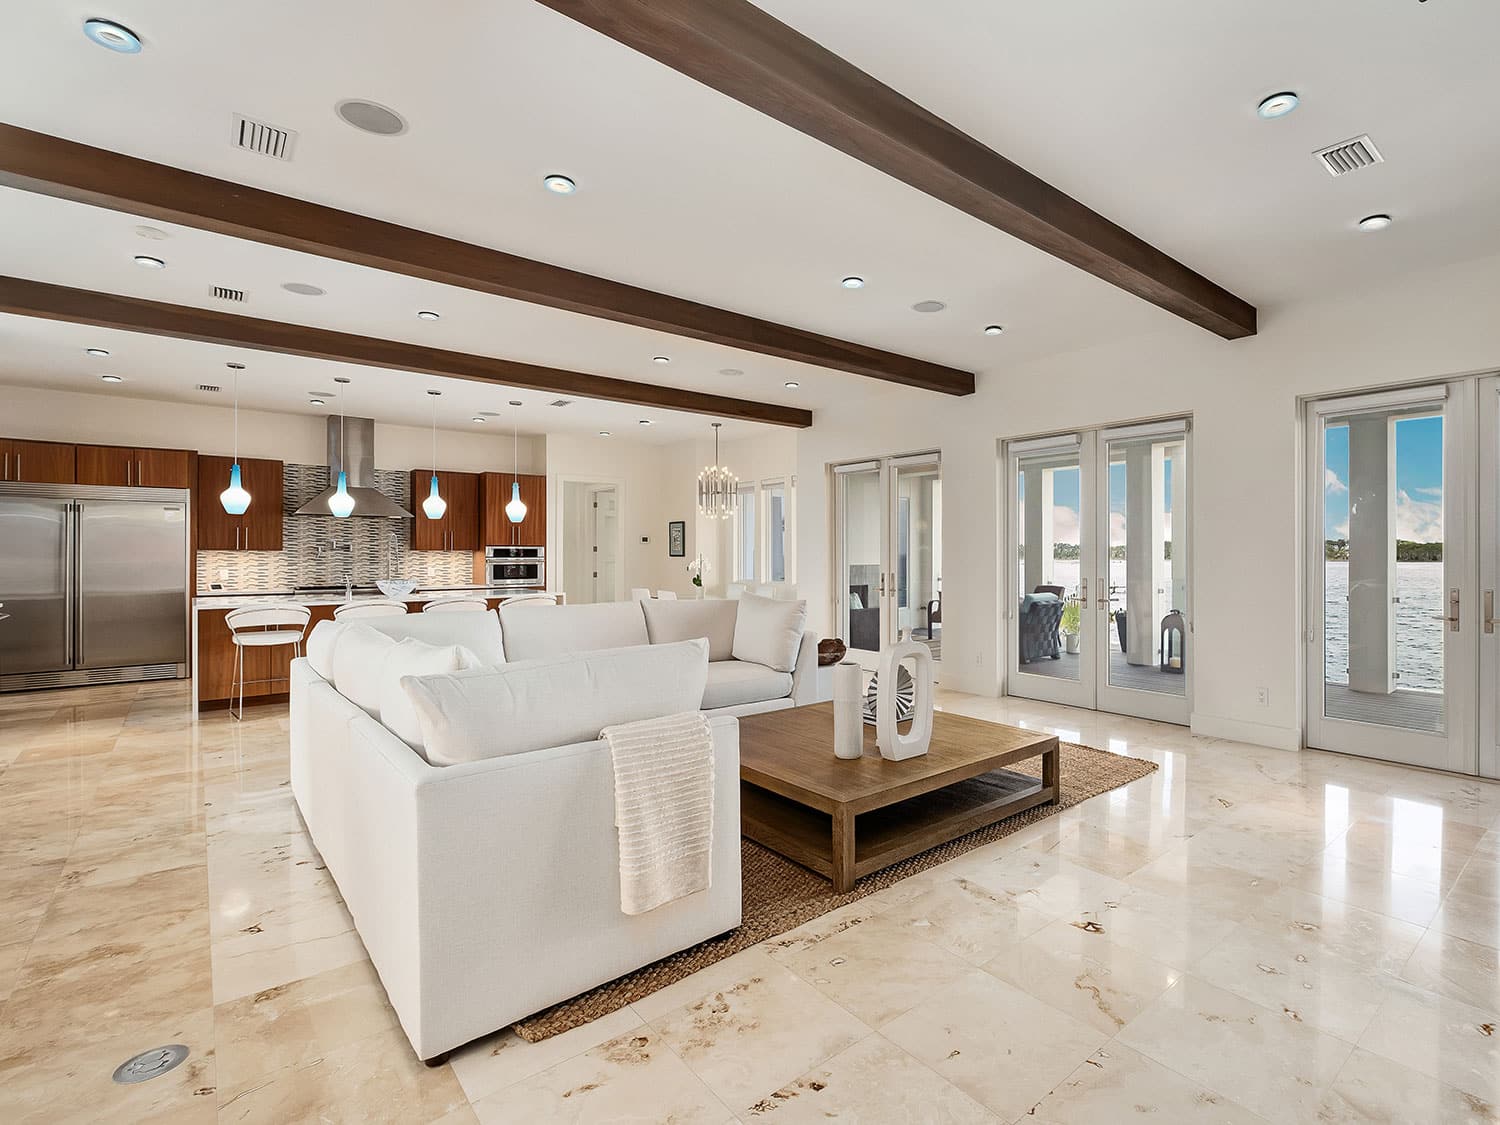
x,y
744,535
775,494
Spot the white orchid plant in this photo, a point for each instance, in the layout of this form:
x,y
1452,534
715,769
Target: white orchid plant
x,y
698,568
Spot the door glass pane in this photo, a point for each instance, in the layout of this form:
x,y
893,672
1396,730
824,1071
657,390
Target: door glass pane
x,y
919,598
860,502
1147,623
776,530
1383,580
744,554
1049,531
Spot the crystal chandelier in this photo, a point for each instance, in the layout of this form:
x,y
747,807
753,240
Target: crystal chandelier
x,y
718,488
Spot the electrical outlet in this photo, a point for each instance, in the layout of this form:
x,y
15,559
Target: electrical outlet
x,y
1262,697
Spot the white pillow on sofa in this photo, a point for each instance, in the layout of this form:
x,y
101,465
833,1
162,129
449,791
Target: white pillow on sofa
x,y
556,701
477,632
358,658
768,631
411,657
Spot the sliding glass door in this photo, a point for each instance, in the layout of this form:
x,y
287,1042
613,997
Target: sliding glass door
x,y
1098,570
888,545
1391,654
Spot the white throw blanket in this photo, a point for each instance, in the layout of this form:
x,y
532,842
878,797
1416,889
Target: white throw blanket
x,y
664,807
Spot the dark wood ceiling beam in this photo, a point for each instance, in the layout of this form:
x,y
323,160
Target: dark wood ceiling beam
x,y
132,314
62,169
741,51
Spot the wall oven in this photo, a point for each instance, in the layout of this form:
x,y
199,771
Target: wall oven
x,y
515,568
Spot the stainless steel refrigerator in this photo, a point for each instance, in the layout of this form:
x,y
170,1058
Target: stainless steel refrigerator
x,y
95,582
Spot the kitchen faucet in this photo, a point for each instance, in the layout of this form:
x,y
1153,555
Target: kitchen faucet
x,y
348,587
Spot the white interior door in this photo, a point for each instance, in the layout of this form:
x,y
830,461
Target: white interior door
x,y
862,530
1393,626
606,521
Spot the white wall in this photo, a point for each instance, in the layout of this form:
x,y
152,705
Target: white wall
x,y
113,419
1243,397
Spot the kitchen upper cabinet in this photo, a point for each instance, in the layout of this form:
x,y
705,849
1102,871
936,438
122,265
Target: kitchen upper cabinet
x,y
458,529
259,528
495,493
147,468
38,462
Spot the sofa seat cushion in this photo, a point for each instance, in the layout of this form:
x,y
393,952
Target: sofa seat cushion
x,y
536,704
733,682
710,618
538,630
477,632
411,657
768,632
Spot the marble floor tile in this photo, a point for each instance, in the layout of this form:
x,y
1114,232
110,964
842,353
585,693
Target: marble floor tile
x,y
1469,915
873,1082
1118,1084
1445,1039
1311,923
1371,1090
1373,888
1461,970
503,1059
969,920
1264,1060
1003,1048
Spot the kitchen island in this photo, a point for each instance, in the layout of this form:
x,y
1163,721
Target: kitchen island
x,y
267,669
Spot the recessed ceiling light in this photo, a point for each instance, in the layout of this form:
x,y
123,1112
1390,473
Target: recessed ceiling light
x,y
115,36
730,371
929,306
155,234
428,314
146,261
371,117
645,421
791,385
559,184
1375,222
661,359
317,402
1277,105
478,419
95,351
112,378
853,283
993,329
303,289
604,433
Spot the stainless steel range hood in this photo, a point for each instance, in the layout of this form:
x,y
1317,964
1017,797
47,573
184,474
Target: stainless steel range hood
x,y
352,447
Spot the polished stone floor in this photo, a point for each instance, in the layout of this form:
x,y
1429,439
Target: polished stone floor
x,y
1248,935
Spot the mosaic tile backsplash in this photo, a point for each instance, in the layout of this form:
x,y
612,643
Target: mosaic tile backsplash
x,y
321,550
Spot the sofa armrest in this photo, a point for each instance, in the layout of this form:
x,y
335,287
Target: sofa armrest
x,y
805,674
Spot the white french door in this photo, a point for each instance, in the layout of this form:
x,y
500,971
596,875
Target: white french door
x,y
1097,586
1393,624
1487,635
888,551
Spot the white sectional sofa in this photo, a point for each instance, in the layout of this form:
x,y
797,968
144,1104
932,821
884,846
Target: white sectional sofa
x,y
489,890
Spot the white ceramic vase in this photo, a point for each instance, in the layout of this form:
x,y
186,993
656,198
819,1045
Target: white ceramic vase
x,y
895,746
848,711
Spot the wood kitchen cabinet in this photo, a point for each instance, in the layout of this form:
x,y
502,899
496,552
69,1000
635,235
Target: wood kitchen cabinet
x,y
498,531
146,468
259,528
458,530
39,462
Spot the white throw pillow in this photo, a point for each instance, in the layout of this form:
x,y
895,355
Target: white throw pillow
x,y
320,645
411,657
557,701
768,631
357,660
712,618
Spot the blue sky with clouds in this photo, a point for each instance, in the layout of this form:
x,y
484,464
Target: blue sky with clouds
x,y
1419,480
1065,500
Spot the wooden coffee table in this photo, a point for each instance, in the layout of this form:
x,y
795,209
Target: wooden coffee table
x,y
845,819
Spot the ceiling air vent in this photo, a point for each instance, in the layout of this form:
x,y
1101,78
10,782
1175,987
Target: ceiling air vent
x,y
561,402
487,413
228,294
257,136
209,388
1349,156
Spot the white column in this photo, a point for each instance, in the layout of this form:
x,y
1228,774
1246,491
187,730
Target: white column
x,y
1038,528
1372,554
1145,499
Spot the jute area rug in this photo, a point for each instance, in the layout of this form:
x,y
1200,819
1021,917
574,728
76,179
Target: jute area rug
x,y
780,896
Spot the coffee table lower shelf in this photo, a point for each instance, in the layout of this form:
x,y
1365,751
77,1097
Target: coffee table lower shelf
x,y
874,840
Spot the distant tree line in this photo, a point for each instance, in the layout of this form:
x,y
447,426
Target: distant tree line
x,y
1070,551
1337,550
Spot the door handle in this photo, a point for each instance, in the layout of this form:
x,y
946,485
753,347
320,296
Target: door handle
x,y
18,468
140,477
1489,611
6,476
1452,619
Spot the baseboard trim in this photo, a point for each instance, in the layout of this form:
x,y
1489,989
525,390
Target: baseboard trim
x,y
1258,734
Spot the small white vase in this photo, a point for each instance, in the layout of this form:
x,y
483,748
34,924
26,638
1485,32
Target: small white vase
x,y
848,717
895,746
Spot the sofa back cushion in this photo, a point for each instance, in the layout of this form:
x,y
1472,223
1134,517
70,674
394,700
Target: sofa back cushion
x,y
710,618
477,632
537,630
358,658
769,632
411,657
557,701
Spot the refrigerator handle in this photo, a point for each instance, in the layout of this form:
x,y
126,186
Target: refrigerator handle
x,y
70,556
79,623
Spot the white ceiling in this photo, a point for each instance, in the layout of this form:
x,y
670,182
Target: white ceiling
x,y
1147,117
